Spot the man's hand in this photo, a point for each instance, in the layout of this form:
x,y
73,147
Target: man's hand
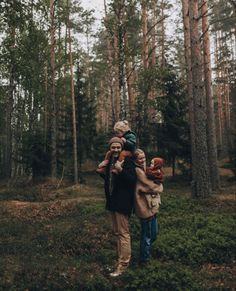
x,y
118,166
103,164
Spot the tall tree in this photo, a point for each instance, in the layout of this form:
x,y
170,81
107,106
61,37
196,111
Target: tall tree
x,y
202,185
211,133
187,49
53,92
145,34
75,157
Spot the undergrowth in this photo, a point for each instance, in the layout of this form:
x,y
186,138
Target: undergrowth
x,y
194,250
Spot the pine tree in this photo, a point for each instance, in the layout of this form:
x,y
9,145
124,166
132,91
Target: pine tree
x,y
201,185
211,133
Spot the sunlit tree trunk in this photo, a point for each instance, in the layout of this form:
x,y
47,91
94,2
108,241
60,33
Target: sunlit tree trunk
x,y
211,135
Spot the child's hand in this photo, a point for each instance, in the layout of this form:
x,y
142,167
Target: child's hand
x,y
118,166
124,139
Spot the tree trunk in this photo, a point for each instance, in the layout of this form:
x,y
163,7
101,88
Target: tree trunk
x,y
202,185
187,48
145,42
154,31
45,111
75,156
163,62
211,135
9,110
218,94
130,82
110,71
53,95
116,77
121,60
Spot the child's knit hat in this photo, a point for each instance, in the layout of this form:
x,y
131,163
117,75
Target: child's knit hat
x,y
122,125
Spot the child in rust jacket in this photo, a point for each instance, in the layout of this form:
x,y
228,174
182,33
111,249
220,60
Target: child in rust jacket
x,y
123,131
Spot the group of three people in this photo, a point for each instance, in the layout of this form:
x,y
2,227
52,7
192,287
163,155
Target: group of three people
x,y
127,188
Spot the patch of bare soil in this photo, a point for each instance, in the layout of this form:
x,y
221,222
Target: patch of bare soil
x,y
48,209
226,172
227,194
215,270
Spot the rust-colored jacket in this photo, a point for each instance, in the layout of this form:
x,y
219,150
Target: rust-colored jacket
x,y
145,186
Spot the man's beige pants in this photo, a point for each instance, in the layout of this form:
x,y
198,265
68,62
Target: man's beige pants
x,y
120,225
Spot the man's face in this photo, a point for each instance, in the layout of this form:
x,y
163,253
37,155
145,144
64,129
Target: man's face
x,y
116,148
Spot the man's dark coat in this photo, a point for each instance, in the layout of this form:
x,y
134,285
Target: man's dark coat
x,y
120,188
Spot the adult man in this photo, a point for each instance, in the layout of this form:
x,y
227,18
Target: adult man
x,y
119,190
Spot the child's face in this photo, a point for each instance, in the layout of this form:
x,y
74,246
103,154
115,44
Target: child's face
x,y
119,133
141,159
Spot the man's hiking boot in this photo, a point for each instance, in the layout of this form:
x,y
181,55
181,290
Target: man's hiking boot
x,y
119,270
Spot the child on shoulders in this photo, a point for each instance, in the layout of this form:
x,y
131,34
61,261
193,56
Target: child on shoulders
x,y
123,131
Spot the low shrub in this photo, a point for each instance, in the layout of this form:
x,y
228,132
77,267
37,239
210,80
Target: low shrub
x,y
161,276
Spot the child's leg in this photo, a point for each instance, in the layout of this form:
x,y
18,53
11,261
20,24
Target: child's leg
x,y
124,154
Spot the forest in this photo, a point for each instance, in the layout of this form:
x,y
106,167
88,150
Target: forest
x,y
67,75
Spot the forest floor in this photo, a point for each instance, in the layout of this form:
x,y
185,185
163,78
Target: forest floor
x,y
60,239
